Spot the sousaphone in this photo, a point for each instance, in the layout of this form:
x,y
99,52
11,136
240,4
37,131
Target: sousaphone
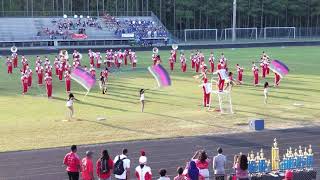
x,y
14,49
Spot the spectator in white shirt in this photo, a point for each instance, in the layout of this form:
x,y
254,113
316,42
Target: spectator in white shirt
x,y
219,165
163,176
126,165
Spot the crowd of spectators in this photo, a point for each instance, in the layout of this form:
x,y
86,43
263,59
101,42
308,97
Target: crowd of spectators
x,y
197,168
140,28
64,27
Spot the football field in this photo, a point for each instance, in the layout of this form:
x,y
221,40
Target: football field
x,y
34,121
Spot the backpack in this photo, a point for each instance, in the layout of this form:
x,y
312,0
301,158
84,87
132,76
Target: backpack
x,y
118,167
104,166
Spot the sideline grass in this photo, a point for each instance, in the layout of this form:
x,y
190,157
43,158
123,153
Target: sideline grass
x,y
32,121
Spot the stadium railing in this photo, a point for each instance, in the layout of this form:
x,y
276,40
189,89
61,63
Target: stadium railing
x,y
72,13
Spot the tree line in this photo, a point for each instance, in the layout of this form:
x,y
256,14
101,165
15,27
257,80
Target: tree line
x,y
182,14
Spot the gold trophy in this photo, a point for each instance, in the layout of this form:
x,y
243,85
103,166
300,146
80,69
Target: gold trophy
x,y
275,159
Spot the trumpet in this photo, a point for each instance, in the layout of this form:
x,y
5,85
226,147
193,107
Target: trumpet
x,y
174,46
14,49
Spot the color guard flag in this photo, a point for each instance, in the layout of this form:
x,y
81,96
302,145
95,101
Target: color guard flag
x,y
161,75
84,78
279,68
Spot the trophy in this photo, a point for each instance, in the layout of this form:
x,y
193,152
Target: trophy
x,y
275,159
262,162
309,158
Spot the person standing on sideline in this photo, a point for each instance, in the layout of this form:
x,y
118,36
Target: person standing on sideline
x,y
180,175
202,163
87,167
265,92
143,172
219,165
241,167
122,166
163,176
104,166
72,161
142,99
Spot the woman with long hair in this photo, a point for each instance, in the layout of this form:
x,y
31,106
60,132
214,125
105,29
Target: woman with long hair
x,y
104,166
141,92
193,171
69,105
241,167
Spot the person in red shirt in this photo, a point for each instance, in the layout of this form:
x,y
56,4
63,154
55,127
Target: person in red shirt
x,y
277,79
180,175
104,166
67,78
255,72
91,57
24,82
202,163
92,71
60,71
72,161
87,167
39,71
99,59
48,80
9,65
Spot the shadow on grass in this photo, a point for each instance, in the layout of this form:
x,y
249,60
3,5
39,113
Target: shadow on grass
x,y
95,105
119,127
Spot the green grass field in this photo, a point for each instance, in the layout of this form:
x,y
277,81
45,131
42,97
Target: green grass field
x,y
32,121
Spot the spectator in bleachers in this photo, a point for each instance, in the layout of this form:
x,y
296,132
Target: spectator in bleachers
x,y
219,165
104,166
202,162
241,167
163,173
72,161
122,160
180,175
87,167
143,172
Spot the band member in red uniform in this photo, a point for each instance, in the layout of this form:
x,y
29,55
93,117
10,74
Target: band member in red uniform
x,y
206,96
48,80
39,71
9,65
120,57
92,71
197,63
221,73
24,63
29,73
24,82
15,59
67,78
211,61
171,62
99,59
91,57
154,57
240,73
134,60
38,60
255,71
277,79
56,63
174,55
183,63
192,60
60,71
125,56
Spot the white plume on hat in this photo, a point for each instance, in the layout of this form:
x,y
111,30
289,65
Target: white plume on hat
x,y
142,160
